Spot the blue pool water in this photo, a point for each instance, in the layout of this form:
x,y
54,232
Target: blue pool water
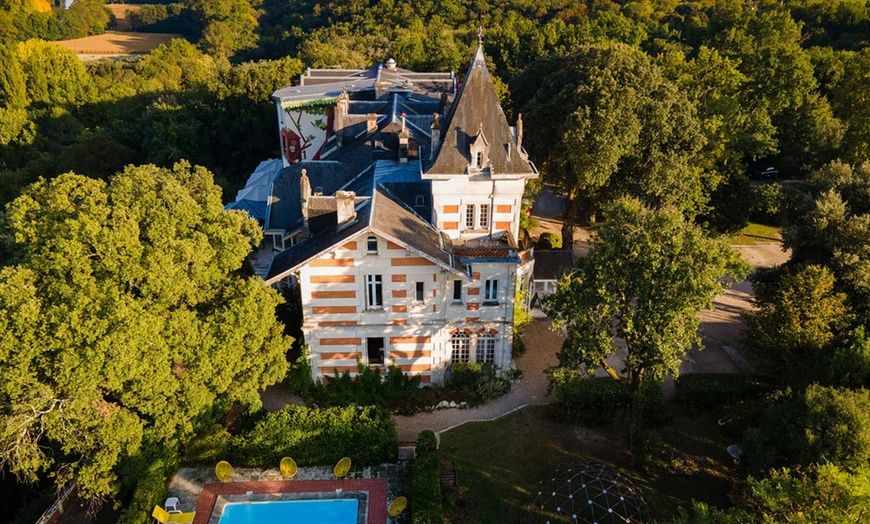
x,y
340,511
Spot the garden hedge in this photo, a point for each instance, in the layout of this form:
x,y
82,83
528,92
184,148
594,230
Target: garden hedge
x,y
321,436
705,391
602,399
151,488
426,504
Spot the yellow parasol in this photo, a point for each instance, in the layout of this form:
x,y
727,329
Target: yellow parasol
x,y
342,467
288,467
223,471
397,506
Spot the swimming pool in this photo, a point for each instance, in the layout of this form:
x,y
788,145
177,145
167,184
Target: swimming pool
x,y
327,511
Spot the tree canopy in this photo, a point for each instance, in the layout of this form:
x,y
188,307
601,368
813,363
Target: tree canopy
x,y
607,123
124,317
646,278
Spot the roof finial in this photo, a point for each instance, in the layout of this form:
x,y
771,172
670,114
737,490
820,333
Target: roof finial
x,y
480,34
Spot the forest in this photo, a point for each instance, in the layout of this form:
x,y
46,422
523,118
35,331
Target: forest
x,y
676,104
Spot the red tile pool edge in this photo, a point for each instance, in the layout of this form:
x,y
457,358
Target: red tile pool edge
x,y
376,488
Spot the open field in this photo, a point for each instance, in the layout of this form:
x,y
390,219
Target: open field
x,y
113,44
120,9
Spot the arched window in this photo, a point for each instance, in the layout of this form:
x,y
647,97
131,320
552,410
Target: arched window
x,y
486,349
459,346
372,245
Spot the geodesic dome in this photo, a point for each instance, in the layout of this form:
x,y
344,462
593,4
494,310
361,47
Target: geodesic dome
x,y
587,493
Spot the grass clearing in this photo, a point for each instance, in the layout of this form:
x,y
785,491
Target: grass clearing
x,y
756,233
117,43
500,463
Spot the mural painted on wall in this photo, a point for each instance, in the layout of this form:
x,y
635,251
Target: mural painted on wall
x,y
305,132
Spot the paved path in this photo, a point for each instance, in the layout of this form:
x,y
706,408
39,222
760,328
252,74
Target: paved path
x,y
542,344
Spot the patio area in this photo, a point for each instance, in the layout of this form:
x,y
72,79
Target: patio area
x,y
197,488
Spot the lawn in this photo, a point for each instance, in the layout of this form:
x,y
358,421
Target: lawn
x,y
755,233
500,463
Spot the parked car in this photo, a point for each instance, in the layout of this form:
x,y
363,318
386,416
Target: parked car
x,y
770,173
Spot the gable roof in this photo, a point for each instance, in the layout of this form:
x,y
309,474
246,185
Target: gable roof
x,y
383,215
477,108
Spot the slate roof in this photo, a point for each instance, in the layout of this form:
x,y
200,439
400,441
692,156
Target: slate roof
x,y
551,265
304,251
382,214
477,104
284,209
317,84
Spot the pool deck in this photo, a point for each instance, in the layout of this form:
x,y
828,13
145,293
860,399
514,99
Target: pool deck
x,y
375,489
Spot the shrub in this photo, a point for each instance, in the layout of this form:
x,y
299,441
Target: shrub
x,y
427,442
426,505
603,400
821,424
705,391
478,383
299,378
209,447
395,390
550,240
319,437
768,204
153,469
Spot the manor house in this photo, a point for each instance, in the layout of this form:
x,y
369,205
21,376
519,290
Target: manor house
x,y
395,212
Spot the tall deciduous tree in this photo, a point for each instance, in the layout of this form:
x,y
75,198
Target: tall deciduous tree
x,y
605,122
647,277
125,318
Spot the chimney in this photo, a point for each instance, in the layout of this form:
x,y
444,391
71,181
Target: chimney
x,y
304,195
341,111
520,133
371,123
404,141
344,208
391,64
436,136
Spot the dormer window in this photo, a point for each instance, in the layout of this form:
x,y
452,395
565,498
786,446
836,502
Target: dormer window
x,y
479,152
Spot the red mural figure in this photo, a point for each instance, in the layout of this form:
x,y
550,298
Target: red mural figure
x,y
292,145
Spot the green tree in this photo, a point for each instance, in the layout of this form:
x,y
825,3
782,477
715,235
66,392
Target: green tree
x,y
818,425
815,495
796,317
646,278
13,88
53,74
124,319
605,122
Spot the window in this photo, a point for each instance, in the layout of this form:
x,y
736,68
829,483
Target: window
x,y
278,242
459,346
491,291
457,291
374,291
375,350
483,219
486,349
418,292
469,217
419,201
372,246
480,159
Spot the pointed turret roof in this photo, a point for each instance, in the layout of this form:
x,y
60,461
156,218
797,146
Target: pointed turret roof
x,y
477,109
